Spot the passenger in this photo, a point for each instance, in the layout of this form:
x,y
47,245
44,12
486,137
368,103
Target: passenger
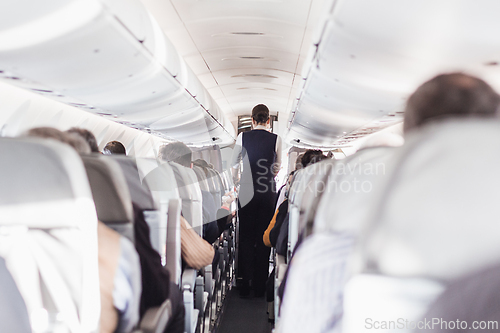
x,y
311,156
445,96
114,147
119,282
87,136
261,151
74,141
271,234
196,252
215,219
450,95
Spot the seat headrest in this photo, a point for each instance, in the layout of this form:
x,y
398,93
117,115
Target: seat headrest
x,y
109,189
43,184
139,191
158,177
187,182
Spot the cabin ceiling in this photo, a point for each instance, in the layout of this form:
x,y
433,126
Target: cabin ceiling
x,y
245,52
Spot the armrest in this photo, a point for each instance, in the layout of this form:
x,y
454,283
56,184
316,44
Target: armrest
x,y
155,319
189,279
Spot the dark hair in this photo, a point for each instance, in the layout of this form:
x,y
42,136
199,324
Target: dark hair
x,y
87,136
114,147
260,113
455,94
75,141
176,152
312,156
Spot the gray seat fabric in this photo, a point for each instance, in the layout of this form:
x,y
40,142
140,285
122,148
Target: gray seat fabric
x,y
313,190
436,216
216,185
351,184
139,191
49,230
190,194
473,298
111,194
13,313
438,213
202,178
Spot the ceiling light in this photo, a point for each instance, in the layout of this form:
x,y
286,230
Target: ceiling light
x,y
256,75
256,88
247,33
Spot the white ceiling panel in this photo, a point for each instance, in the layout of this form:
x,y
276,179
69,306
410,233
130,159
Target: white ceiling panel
x,y
229,42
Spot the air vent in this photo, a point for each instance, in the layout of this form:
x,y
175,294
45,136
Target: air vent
x,y
256,75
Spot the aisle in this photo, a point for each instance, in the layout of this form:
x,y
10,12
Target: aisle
x,y
244,315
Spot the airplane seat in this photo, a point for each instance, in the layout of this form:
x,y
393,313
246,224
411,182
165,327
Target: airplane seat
x,y
113,199
202,178
49,233
191,198
471,299
316,185
190,194
141,195
294,199
217,187
160,180
111,194
440,194
349,184
13,313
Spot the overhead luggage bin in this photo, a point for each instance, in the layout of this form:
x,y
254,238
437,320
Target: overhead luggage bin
x,y
109,58
367,57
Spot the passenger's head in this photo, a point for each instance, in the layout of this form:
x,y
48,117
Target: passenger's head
x,y
114,148
450,95
78,143
260,114
87,136
312,156
176,152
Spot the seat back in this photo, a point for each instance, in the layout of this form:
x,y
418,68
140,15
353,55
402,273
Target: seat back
x,y
13,313
350,185
159,178
202,178
111,194
216,185
438,213
470,299
49,232
313,190
190,194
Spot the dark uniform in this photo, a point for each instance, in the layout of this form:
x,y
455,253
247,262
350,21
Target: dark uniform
x,y
259,148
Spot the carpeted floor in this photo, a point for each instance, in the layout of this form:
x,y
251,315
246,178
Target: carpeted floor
x,y
244,315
